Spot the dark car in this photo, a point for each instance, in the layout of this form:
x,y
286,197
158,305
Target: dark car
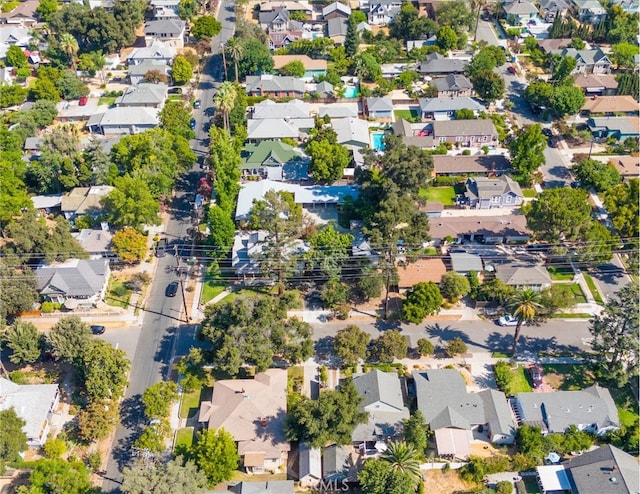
x,y
197,104
97,329
547,132
192,124
172,289
535,371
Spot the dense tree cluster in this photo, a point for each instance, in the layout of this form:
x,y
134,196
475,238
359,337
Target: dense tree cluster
x,y
328,158
177,476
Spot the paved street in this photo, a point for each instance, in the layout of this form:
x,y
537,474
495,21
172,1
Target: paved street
x,y
555,172
487,33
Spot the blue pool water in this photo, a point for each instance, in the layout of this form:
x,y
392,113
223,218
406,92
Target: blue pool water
x,y
376,141
350,92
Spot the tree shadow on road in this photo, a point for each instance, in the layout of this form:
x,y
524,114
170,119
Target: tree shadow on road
x,y
447,333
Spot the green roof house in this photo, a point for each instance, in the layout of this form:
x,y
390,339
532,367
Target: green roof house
x,y
274,160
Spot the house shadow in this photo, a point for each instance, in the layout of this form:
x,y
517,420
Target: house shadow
x,y
165,347
270,429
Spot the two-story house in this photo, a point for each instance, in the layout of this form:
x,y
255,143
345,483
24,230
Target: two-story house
x,y
453,86
143,95
382,12
550,9
157,51
436,64
590,11
593,61
336,9
163,9
493,192
443,108
466,133
519,12
281,29
170,30
275,86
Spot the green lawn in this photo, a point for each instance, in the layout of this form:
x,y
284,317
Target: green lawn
x,y
500,355
574,290
190,403
445,195
519,382
560,274
107,100
408,115
184,438
211,289
529,192
118,294
571,315
595,293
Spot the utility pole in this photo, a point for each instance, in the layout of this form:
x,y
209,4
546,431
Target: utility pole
x,y
184,295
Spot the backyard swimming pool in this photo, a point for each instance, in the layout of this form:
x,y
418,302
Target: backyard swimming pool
x,y
376,141
350,92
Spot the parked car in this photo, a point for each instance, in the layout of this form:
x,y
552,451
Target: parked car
x,y
172,289
507,321
197,104
192,124
97,329
512,70
161,248
535,371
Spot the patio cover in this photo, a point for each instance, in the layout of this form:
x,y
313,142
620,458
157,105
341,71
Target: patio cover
x,y
453,442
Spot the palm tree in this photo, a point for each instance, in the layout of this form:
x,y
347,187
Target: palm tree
x,y
476,6
403,458
69,45
235,51
524,305
225,100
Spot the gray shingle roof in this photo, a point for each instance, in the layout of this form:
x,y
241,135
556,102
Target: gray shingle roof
x,y
428,105
335,462
449,128
624,125
169,25
594,473
310,463
379,104
487,187
497,412
587,56
157,49
462,262
520,7
452,82
73,278
522,274
351,131
337,27
435,63
290,109
263,487
274,83
143,94
464,165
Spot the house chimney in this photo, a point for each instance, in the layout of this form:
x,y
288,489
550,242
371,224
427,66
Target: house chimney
x,y
264,422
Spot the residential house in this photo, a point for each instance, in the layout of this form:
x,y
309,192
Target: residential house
x,y
23,14
310,197
484,229
590,11
163,9
246,247
548,45
74,282
336,10
393,70
263,487
629,6
309,465
433,209
360,247
290,5
423,270
353,133
253,412
477,164
436,64
274,160
277,128
494,192
325,90
380,109
453,85
74,111
596,84
275,86
137,72
31,146
336,463
610,106
549,9
412,134
520,12
464,263
96,242
49,204
123,120
84,200
170,30
456,416
143,95
339,111
33,403
593,61
313,67
466,133
381,394
13,35
445,108
337,30
591,409
382,12
281,29
628,166
523,275
157,51
619,128
294,109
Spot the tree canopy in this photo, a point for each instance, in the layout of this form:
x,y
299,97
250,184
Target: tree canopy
x,y
328,158
131,204
622,206
13,440
350,344
206,27
174,477
388,346
53,476
527,152
130,245
422,300
69,338
215,454
593,174
24,340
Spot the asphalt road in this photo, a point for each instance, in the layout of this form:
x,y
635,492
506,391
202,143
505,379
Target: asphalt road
x,y
555,172
487,33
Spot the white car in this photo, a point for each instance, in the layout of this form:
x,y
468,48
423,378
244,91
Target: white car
x,y
507,321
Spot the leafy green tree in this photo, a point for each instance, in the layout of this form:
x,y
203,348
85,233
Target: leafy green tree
x,y
455,14
447,38
92,63
366,67
623,54
97,160
294,68
175,117
525,306
44,89
484,60
422,300
594,174
328,158
488,85
130,245
131,203
15,57
256,58
425,347
215,455
329,250
559,215
330,418
562,69
454,285
97,420
104,370
53,476
153,437
69,338
70,86
389,345
539,93
527,151
157,399
370,283
17,288
24,340
46,8
408,24
352,39
455,347
377,477
622,207
530,442
465,114
187,9
12,94
13,193
415,432
174,477
222,230
555,298
350,344
54,448
13,440
503,375
191,368
206,27
334,293
567,100
615,336
181,70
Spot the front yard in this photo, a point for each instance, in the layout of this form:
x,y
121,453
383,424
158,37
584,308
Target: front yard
x,y
118,294
445,195
210,290
408,115
573,292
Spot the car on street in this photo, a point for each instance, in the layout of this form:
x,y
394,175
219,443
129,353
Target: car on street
x,y
197,104
161,248
172,289
507,321
512,70
535,372
97,329
192,124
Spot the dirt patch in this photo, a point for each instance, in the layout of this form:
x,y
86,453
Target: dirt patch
x,y
444,482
